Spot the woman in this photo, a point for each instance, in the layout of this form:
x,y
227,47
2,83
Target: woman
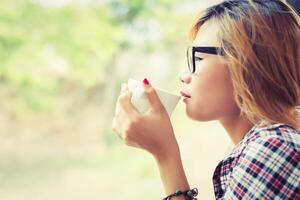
x,y
244,71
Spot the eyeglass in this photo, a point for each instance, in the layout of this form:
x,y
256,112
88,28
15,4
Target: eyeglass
x,y
191,58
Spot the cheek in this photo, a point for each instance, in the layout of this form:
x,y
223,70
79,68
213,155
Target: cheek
x,y
212,95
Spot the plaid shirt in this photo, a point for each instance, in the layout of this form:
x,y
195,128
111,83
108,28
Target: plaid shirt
x,y
264,165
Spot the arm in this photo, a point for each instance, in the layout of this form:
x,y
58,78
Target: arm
x,y
172,174
153,132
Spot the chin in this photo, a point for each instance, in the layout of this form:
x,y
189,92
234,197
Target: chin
x,y
199,116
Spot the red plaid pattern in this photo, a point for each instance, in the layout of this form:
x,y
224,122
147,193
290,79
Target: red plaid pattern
x,y
264,165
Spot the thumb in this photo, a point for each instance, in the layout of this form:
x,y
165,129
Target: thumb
x,y
152,96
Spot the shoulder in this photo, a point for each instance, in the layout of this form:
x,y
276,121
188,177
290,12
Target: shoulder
x,y
268,162
264,162
274,144
268,136
264,137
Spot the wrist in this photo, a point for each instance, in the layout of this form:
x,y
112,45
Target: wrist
x,y
170,157
172,173
189,194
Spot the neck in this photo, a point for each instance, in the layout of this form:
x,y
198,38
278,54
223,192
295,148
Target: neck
x,y
236,127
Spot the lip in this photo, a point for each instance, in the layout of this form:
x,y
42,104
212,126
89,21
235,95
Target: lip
x,y
184,94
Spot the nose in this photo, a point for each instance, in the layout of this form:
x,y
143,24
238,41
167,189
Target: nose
x,y
185,76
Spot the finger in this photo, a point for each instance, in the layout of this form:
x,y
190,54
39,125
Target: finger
x,y
125,104
152,96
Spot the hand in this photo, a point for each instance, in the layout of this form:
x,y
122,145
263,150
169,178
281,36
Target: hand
x,y
151,131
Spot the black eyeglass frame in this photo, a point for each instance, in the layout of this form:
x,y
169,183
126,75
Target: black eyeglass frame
x,y
194,49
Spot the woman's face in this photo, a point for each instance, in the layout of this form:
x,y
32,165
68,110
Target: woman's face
x,y
210,87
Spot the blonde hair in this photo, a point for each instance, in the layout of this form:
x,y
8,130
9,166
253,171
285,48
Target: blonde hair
x,y
261,41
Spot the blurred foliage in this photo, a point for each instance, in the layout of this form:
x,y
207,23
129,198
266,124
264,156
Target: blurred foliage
x,y
44,47
62,63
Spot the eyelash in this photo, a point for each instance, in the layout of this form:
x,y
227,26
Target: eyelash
x,y
198,59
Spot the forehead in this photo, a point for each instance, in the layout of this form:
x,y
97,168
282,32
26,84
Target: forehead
x,y
207,35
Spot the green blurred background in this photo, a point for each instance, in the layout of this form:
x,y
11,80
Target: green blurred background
x,y
62,64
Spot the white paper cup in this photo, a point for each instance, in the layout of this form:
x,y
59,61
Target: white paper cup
x,y
141,102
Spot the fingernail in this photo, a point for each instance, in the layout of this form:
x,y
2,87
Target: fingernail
x,y
146,82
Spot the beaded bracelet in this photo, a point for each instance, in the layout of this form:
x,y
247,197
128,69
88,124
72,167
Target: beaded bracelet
x,y
188,194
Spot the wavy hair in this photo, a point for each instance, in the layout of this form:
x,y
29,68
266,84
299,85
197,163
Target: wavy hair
x,y
260,39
